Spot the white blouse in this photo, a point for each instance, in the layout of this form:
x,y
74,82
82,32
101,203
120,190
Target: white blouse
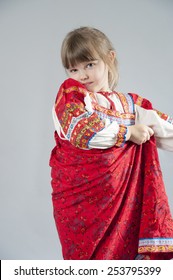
x,y
107,137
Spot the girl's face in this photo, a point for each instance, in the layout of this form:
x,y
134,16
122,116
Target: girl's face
x,y
92,74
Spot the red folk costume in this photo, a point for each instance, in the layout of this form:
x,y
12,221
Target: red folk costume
x,y
108,195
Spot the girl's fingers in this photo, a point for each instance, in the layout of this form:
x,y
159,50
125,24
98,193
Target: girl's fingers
x,y
151,131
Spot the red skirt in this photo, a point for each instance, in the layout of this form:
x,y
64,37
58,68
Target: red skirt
x,y
110,204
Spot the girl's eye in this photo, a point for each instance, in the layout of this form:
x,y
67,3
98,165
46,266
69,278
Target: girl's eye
x,y
90,65
73,70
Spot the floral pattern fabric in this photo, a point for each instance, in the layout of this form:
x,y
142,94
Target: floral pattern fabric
x,y
109,204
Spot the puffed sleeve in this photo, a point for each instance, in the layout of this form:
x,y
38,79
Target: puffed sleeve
x,y
77,122
161,123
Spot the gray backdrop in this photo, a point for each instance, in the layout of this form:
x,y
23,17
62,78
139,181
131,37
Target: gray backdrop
x,y
31,33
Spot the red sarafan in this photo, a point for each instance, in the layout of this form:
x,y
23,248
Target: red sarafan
x,y
109,204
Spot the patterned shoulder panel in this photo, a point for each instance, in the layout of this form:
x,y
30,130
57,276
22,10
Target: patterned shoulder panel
x,y
68,88
127,102
146,104
78,125
142,102
126,118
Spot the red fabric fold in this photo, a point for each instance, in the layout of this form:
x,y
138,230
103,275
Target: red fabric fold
x,y
109,204
106,200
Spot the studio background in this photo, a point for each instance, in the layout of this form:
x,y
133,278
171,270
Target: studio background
x,y
31,33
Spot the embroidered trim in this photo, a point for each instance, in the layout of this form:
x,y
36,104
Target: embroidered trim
x,y
127,118
121,136
111,113
119,120
69,90
139,101
156,249
164,116
59,96
75,88
71,110
80,126
155,241
84,130
126,102
155,245
74,121
131,103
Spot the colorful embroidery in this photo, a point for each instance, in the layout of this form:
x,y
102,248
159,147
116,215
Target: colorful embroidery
x,y
138,100
155,249
127,118
161,115
126,102
120,118
155,245
85,130
165,117
75,88
121,136
106,203
79,125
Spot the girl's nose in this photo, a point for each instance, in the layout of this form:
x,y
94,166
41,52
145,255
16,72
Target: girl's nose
x,y
83,75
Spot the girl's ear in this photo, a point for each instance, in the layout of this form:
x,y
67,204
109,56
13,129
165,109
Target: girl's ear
x,y
112,55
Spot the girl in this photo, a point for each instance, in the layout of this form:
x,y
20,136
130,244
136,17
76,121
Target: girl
x,y
108,193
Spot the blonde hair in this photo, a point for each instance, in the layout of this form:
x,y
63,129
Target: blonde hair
x,y
86,44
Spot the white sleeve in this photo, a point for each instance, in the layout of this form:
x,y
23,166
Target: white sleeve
x,y
106,138
163,129
110,134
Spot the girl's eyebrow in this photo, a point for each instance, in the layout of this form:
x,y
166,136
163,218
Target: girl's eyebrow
x,y
86,62
71,67
93,60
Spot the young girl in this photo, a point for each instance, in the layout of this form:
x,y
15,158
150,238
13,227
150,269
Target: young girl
x,y
108,193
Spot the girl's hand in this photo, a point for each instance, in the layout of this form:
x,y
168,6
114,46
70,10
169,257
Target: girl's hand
x,y
139,133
